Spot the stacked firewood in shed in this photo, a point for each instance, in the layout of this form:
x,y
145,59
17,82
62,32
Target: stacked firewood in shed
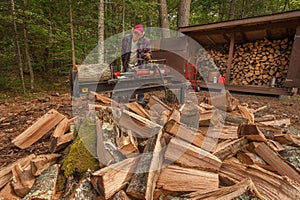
x,y
254,63
215,149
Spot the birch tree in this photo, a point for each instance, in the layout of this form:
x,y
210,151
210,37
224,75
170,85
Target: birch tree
x,y
101,31
17,46
72,34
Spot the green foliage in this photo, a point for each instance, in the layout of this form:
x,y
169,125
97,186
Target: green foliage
x,y
48,27
209,11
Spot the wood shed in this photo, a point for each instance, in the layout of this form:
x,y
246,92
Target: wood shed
x,y
254,51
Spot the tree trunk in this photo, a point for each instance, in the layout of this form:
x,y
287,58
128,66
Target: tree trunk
x,y
183,13
101,32
26,47
222,11
123,17
163,18
72,33
232,9
243,9
17,46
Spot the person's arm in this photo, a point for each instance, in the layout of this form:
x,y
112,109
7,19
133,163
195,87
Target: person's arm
x,y
148,53
144,51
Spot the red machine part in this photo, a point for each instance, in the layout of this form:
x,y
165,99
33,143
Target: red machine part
x,y
191,72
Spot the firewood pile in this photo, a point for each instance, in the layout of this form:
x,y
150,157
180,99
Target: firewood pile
x,y
216,149
254,63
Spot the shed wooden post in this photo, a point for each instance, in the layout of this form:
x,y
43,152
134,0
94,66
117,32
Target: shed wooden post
x,y
293,76
230,56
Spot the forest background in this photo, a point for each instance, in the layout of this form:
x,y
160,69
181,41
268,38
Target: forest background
x,y
40,40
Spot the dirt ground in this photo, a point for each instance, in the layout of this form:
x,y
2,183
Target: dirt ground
x,y
17,114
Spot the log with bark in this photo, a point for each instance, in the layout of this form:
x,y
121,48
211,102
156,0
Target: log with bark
x,y
45,185
276,161
254,63
6,172
111,179
138,184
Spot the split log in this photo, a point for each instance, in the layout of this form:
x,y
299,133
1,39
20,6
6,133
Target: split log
x,y
61,128
230,149
190,135
113,178
138,184
127,144
6,172
276,146
155,166
166,195
138,109
269,131
206,106
175,115
260,111
205,118
249,158
246,114
156,104
107,151
265,118
276,161
45,185
42,162
84,189
61,142
225,132
232,192
280,122
268,184
223,101
8,193
190,116
158,110
188,155
121,195
251,132
38,129
104,99
288,139
175,178
142,126
23,180
235,120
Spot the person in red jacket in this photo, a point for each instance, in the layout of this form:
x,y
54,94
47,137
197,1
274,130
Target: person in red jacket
x,y
135,48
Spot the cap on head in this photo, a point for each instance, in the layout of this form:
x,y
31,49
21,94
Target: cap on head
x,y
139,29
